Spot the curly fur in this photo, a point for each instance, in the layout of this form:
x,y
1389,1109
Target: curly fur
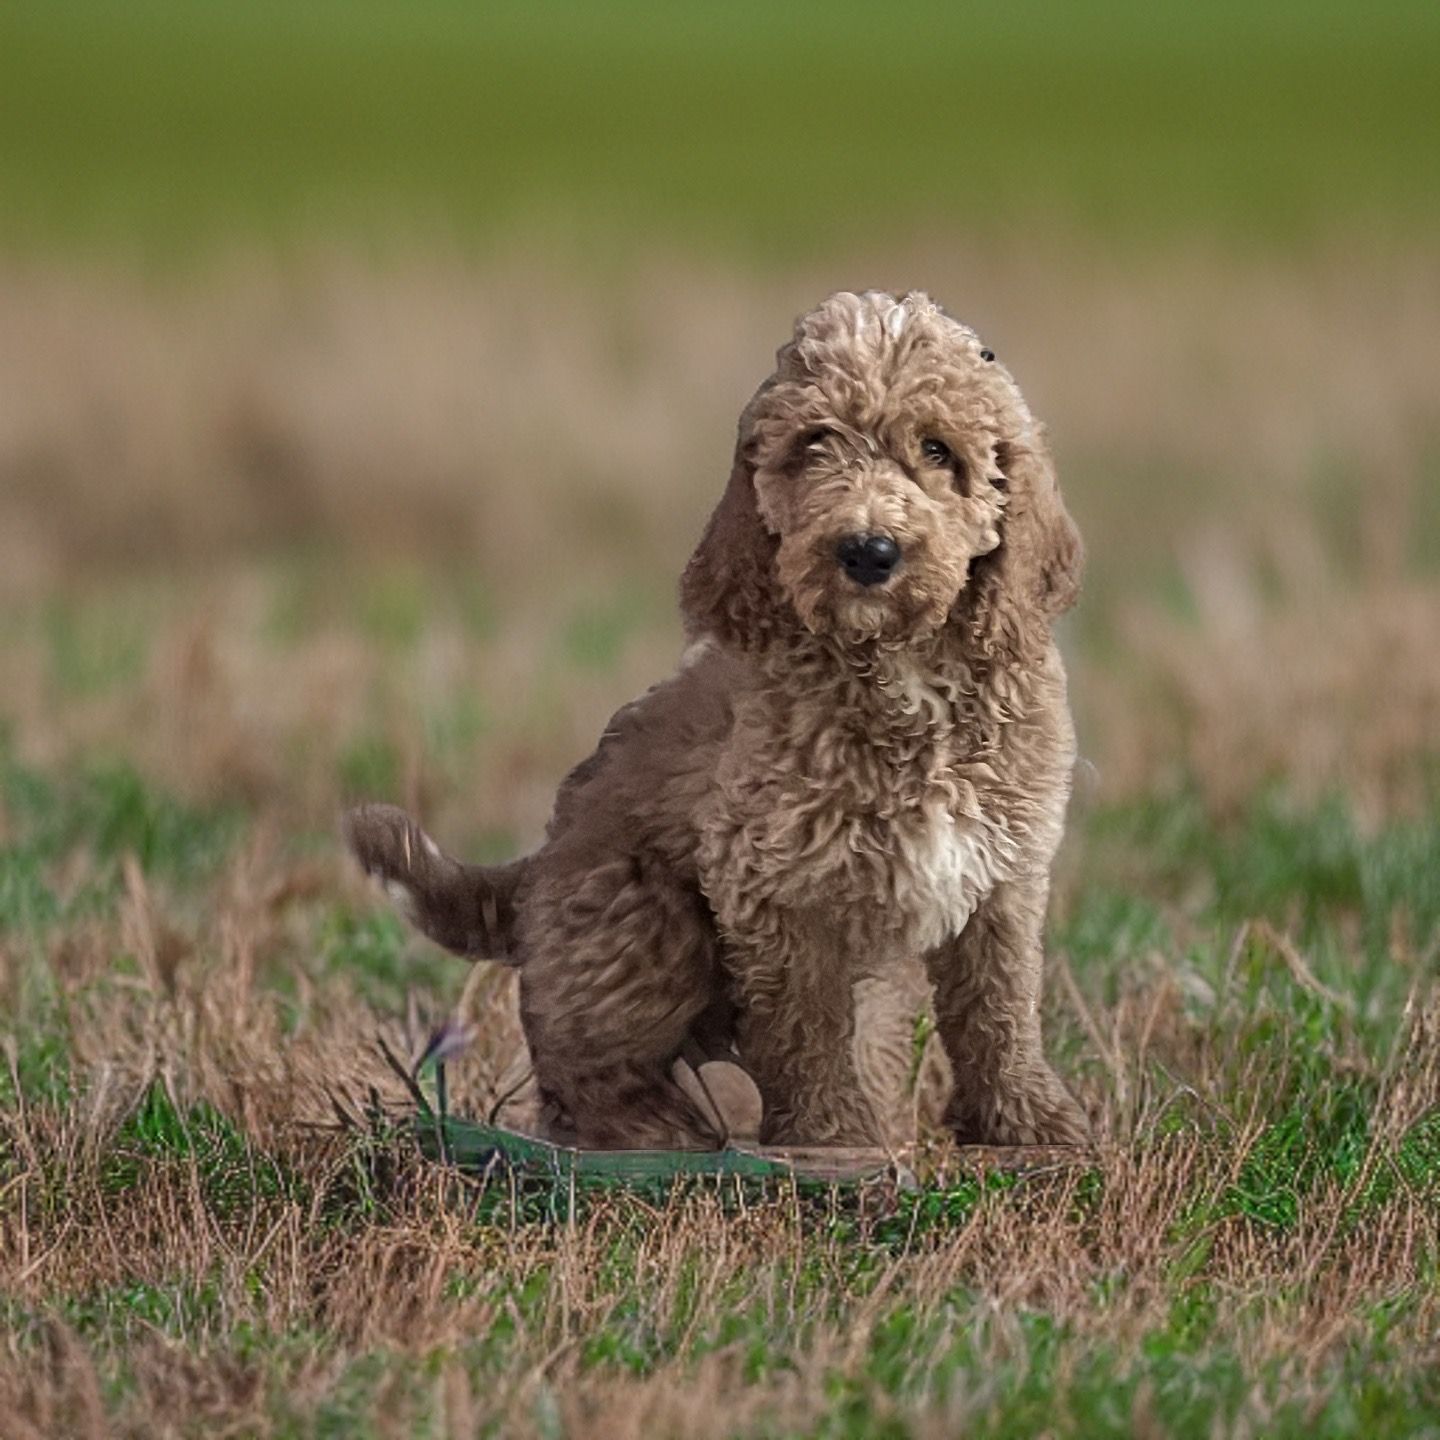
x,y
839,786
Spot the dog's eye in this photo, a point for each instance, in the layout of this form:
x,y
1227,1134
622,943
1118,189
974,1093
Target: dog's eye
x,y
936,452
939,455
808,446
811,444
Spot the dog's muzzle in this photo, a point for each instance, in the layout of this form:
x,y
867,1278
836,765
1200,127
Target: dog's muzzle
x,y
868,559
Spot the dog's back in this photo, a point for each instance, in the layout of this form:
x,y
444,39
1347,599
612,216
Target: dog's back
x,y
636,793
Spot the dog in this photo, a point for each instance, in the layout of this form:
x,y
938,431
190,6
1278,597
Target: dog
x,y
857,775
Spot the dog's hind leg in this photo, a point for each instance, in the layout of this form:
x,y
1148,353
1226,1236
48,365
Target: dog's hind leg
x,y
469,909
796,1031
618,960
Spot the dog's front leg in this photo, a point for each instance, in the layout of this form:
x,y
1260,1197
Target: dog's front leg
x,y
795,1031
987,1010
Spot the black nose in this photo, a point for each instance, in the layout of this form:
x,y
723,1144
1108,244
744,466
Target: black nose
x,y
868,559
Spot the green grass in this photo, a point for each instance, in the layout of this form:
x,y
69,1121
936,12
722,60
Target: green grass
x,y
1012,1375
102,813
787,130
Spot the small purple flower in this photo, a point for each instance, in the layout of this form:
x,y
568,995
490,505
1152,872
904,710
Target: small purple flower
x,y
445,1042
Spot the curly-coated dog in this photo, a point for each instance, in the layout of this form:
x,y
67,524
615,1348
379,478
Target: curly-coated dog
x,y
862,763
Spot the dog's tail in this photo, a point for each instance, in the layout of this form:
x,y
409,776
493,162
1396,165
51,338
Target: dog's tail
x,y
469,909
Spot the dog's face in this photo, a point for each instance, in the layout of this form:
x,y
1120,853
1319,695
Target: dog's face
x,y
884,461
879,464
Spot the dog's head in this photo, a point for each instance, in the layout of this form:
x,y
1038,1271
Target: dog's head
x,y
889,481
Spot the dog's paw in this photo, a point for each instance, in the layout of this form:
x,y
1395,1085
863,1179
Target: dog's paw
x,y
1058,1122
1040,1111
724,1093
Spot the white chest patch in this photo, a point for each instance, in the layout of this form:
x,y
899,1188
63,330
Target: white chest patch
x,y
944,867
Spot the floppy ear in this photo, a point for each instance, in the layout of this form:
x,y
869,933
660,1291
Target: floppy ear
x,y
1034,576
729,588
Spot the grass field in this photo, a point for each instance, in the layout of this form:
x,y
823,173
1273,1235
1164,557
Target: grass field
x,y
365,377
784,130
189,1246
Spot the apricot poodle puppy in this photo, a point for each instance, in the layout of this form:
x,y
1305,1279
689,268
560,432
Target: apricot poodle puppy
x,y
860,766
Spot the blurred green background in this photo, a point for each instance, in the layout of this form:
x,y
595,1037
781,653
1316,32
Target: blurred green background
x,y
766,129
446,311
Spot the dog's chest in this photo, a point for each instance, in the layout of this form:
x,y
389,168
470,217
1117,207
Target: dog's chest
x,y
903,882
885,836
938,866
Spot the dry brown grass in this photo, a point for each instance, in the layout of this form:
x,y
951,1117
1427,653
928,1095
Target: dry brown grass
x,y
366,1261
504,411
